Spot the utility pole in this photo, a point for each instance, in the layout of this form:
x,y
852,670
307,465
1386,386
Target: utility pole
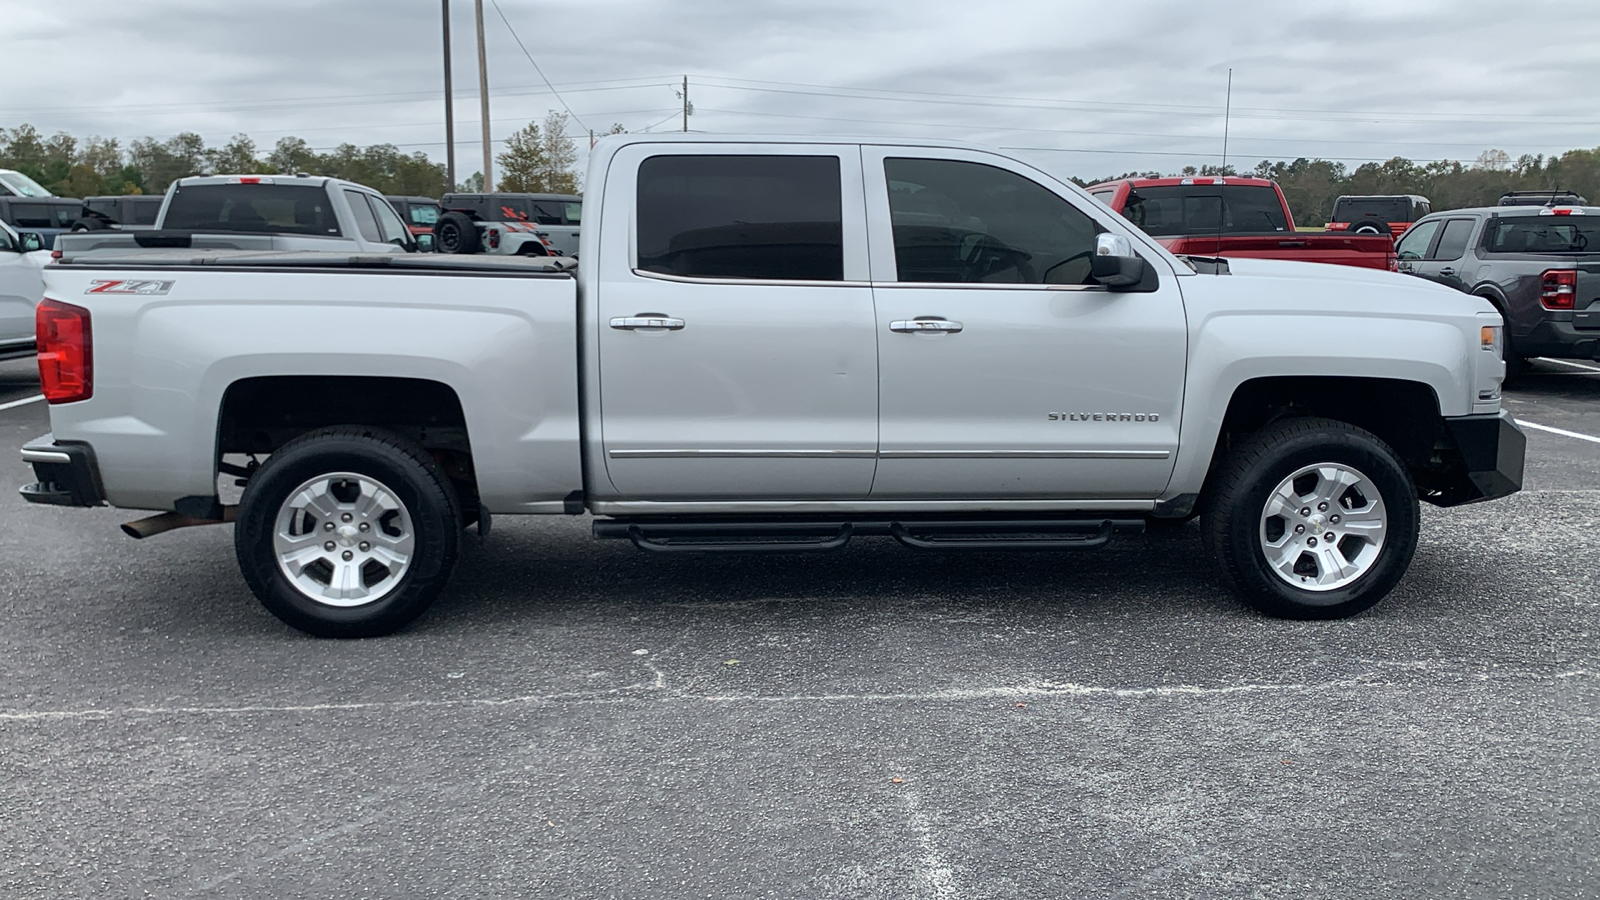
x,y
483,96
449,109
685,103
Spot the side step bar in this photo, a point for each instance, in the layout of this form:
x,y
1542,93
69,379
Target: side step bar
x,y
789,536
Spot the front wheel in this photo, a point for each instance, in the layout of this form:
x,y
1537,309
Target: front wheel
x,y
348,532
1312,519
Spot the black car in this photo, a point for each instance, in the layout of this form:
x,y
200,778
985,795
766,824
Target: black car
x,y
1539,266
45,216
129,212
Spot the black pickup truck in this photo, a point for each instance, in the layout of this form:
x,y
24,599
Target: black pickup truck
x,y
1540,266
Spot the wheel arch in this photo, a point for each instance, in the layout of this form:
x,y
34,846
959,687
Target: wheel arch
x,y
259,414
1402,413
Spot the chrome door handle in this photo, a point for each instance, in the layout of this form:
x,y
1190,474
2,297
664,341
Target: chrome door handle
x,y
926,324
629,323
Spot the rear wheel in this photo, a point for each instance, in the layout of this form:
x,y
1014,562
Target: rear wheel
x,y
348,532
455,232
1312,519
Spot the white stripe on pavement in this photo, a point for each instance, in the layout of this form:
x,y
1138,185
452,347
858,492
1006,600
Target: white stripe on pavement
x,y
23,402
1561,431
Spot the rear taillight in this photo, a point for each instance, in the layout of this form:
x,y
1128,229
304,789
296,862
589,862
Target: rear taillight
x,y
1337,226
494,238
66,351
1558,288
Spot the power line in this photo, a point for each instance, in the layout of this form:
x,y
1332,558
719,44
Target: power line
x,y
1151,134
1123,105
522,90
536,65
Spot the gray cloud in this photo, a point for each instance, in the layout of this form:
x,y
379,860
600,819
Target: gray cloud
x,y
1131,85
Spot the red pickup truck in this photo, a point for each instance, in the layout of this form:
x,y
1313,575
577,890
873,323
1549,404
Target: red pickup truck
x,y
1239,217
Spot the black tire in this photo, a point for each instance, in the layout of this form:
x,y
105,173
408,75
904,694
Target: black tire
x,y
1370,226
1235,527
455,232
407,472
1516,364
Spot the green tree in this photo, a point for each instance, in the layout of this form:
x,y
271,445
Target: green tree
x,y
236,157
540,160
163,162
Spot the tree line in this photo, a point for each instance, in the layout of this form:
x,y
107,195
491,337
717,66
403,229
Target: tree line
x,y
1311,185
536,159
543,158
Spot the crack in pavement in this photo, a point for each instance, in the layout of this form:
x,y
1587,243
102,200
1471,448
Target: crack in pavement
x,y
656,690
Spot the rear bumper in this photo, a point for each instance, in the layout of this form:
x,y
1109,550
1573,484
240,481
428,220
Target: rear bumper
x,y
67,474
1562,339
1487,461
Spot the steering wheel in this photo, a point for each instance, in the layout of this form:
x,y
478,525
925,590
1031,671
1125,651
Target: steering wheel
x,y
987,256
1075,256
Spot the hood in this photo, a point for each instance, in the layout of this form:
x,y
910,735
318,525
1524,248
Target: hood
x,y
1261,284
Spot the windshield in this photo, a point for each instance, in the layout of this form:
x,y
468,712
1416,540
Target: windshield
x,y
252,209
1543,234
1383,209
16,184
1205,209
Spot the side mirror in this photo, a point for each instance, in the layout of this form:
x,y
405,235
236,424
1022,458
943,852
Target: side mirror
x,y
424,243
30,241
1115,265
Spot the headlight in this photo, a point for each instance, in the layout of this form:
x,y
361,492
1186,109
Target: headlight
x,y
1489,368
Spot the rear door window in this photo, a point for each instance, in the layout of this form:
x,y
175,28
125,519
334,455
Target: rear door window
x,y
45,214
424,215
765,217
142,212
365,220
1453,239
970,223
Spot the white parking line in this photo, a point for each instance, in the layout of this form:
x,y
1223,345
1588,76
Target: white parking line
x,y
1561,431
1575,365
23,402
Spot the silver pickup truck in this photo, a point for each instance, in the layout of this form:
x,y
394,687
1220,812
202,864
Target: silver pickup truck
x,y
776,345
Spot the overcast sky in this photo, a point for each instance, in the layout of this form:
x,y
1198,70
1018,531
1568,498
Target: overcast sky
x,y
1111,86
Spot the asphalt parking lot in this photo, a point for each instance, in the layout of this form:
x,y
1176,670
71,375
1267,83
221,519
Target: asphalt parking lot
x,y
575,719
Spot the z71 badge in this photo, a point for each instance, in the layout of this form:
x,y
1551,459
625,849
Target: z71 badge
x,y
128,286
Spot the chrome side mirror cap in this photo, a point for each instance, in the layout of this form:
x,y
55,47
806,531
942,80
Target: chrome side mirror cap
x,y
1116,266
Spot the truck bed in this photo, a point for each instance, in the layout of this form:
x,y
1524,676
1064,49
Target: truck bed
x,y
1361,251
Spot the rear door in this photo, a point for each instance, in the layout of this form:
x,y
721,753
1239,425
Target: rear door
x,y
737,353
1005,373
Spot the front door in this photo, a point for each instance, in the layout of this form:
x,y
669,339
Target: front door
x,y
1444,261
1005,372
738,358
20,290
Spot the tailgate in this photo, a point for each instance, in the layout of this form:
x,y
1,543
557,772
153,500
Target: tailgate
x,y
1587,301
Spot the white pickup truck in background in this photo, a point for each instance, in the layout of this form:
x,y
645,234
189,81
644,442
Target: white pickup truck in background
x,y
775,345
261,212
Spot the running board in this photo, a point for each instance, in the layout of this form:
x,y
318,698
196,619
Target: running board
x,y
791,536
